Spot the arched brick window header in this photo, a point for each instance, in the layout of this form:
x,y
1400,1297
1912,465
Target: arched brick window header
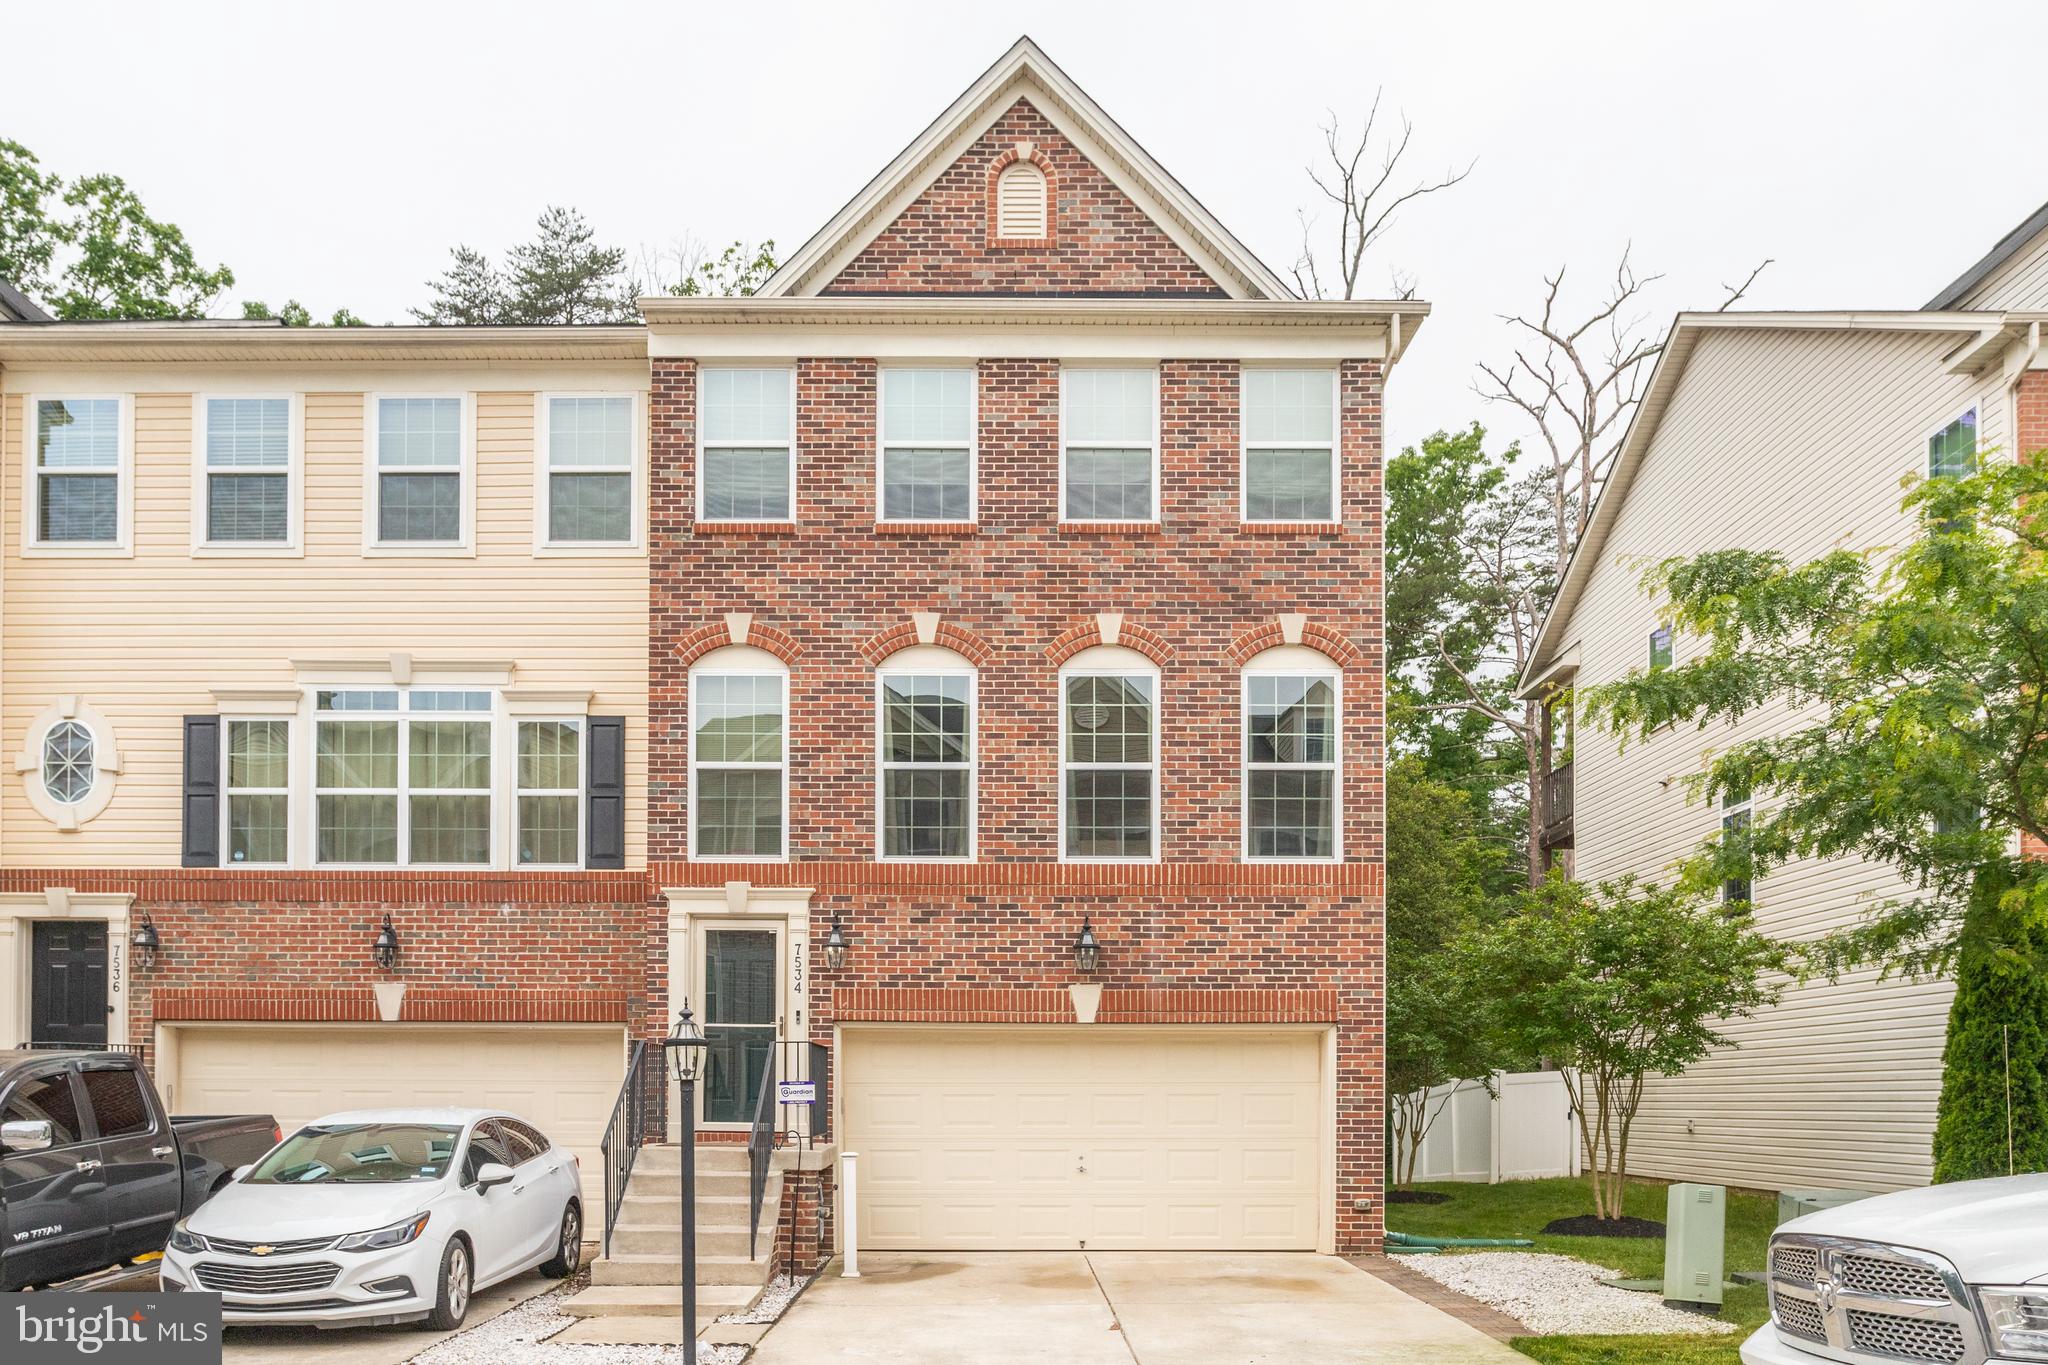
x,y
736,628
1023,151
1108,628
926,628
1294,630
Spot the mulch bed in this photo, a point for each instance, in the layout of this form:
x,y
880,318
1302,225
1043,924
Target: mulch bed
x,y
1417,1197
1587,1225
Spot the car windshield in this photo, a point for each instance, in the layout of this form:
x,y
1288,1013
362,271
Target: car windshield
x,y
359,1154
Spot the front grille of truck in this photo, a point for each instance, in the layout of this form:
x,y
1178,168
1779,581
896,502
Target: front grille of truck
x,y
302,1278
1871,1302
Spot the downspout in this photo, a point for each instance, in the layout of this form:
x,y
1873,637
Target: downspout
x,y
1394,346
2012,388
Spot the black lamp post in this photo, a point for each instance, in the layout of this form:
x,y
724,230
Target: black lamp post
x,y
145,943
686,1054
835,947
1087,952
385,949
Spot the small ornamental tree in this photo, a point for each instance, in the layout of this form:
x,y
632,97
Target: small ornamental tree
x,y
1919,677
1613,984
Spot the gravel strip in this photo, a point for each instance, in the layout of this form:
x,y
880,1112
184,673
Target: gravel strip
x,y
1559,1294
774,1301
520,1334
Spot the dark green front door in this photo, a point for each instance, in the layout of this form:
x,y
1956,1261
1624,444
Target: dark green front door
x,y
739,1019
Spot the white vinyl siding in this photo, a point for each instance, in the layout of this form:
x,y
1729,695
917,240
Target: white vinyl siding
x,y
1797,441
2019,284
746,459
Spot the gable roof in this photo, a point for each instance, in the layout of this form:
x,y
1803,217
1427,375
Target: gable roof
x,y
1026,70
2008,247
16,306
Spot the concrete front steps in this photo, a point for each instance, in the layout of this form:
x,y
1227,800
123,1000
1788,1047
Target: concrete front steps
x,y
642,1278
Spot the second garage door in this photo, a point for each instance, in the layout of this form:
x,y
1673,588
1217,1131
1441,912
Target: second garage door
x,y
1116,1139
563,1079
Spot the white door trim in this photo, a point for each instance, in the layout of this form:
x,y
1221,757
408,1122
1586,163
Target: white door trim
x,y
738,905
18,912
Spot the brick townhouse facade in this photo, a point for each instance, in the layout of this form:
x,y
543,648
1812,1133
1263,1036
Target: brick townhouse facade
x,y
1002,580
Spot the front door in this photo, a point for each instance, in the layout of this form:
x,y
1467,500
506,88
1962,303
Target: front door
x,y
68,983
741,967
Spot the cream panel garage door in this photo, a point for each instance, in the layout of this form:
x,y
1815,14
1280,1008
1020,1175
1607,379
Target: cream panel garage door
x,y
1122,1139
564,1080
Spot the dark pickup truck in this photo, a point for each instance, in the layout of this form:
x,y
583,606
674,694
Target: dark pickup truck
x,y
93,1172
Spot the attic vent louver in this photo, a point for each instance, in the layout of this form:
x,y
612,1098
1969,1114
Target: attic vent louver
x,y
1020,202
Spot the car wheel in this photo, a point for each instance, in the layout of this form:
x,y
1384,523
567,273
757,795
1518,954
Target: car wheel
x,y
569,1249
452,1304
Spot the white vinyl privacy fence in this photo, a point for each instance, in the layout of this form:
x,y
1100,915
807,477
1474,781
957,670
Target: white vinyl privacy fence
x,y
1523,1131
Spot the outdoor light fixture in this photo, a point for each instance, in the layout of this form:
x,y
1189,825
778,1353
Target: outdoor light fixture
x,y
835,947
145,943
1087,952
686,1048
385,949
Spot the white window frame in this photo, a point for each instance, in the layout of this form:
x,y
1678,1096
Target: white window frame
x,y
581,793
636,471
959,668
293,543
1745,808
737,669
703,445
465,469
973,447
1245,766
404,715
1969,409
1245,447
1158,483
123,543
228,720
1076,669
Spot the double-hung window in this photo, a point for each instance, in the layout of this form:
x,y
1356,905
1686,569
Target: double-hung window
x,y
259,791
587,477
1109,454
1109,768
927,763
1952,451
246,471
1289,423
78,462
1736,813
403,776
739,778
927,445
421,466
746,468
550,793
1660,647
1290,765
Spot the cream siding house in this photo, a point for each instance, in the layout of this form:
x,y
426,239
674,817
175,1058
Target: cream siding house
x,y
1794,433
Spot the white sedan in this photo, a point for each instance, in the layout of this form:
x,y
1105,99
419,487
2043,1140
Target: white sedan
x,y
383,1215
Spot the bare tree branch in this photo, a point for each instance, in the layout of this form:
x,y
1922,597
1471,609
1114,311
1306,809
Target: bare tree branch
x,y
1366,200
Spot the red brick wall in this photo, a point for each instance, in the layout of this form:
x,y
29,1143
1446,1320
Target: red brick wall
x,y
1200,584
1100,243
804,1224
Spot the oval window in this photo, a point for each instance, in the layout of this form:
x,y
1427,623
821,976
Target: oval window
x,y
67,762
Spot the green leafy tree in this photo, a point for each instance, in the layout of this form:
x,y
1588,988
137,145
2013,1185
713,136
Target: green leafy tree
x,y
128,264
296,314
31,226
1613,984
563,276
735,272
470,293
1440,866
1922,671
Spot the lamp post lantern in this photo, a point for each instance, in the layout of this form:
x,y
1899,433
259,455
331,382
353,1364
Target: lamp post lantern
x,y
685,1048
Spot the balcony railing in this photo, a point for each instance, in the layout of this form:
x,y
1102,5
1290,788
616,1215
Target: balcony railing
x,y
1557,807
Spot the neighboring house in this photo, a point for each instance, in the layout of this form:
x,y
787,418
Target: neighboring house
x,y
1790,432
16,306
1008,568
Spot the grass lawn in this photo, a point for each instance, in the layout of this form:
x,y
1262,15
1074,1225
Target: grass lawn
x,y
1520,1208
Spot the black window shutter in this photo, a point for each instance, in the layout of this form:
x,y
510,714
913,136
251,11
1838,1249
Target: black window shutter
x,y
202,791
604,793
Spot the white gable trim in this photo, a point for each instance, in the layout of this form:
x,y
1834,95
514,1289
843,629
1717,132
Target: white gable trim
x,y
1026,72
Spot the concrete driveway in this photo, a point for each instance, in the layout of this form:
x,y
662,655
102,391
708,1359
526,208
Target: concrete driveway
x,y
1116,1308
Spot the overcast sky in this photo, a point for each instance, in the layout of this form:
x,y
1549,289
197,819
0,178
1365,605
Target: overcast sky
x,y
333,152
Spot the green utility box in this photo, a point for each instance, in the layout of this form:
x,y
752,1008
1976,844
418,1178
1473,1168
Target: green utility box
x,y
1695,1227
1795,1203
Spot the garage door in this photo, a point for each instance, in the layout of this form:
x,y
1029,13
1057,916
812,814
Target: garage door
x,y
562,1079
1133,1139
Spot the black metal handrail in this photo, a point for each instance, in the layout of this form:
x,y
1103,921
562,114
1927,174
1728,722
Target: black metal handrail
x,y
760,1150
806,1115
639,1115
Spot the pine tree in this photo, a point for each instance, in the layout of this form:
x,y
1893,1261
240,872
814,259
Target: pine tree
x,y
563,276
468,294
1993,1116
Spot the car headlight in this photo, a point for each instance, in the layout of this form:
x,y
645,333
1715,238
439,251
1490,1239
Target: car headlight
x,y
2018,1319
397,1235
185,1240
